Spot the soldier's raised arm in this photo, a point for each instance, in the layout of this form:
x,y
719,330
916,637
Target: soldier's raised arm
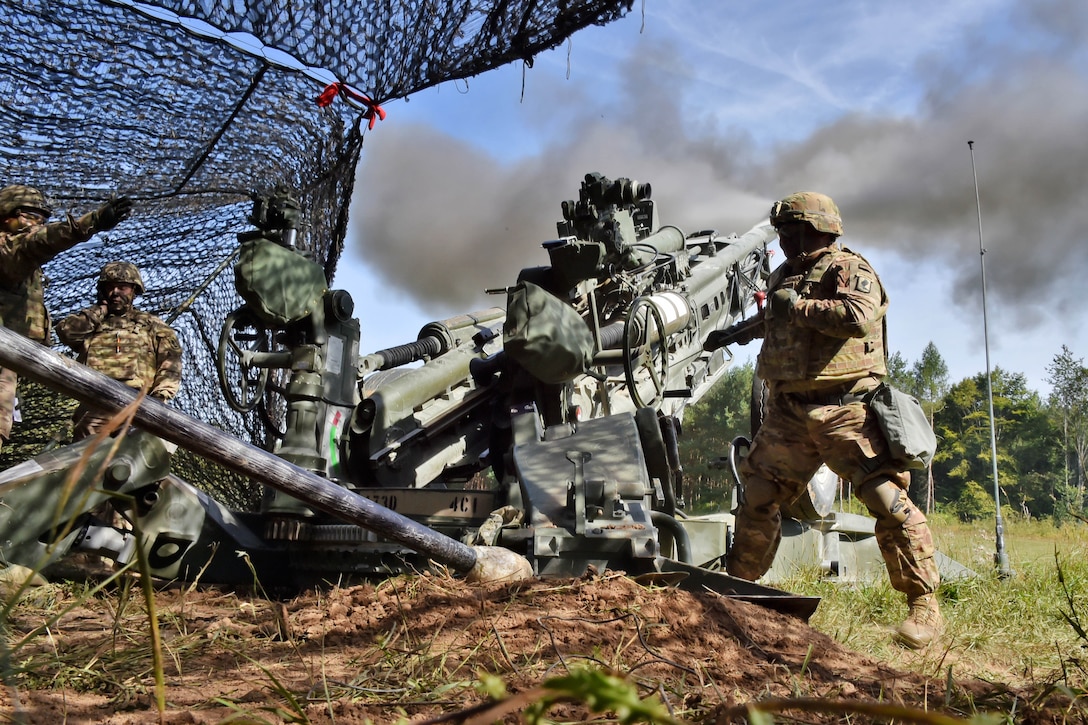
x,y
74,329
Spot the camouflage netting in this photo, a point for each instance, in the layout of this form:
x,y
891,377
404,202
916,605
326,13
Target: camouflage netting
x,y
191,108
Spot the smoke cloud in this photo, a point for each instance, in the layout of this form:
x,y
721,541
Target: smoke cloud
x,y
444,220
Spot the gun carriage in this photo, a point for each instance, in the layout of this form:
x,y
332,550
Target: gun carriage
x,y
548,426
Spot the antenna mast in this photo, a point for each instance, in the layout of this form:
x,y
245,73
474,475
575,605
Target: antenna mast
x,y
1001,558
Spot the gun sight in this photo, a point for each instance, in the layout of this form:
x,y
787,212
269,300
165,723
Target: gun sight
x,y
598,193
276,217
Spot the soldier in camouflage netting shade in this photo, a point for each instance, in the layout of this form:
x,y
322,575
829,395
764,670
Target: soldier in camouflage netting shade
x,y
118,340
26,243
823,352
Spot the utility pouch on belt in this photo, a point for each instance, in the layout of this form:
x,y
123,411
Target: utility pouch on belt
x,y
910,437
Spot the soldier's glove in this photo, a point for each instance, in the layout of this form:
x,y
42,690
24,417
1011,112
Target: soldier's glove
x,y
733,333
112,213
782,303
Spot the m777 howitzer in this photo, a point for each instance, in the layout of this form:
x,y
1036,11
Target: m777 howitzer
x,y
565,404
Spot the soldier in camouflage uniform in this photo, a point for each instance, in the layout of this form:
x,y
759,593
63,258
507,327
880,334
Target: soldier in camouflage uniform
x,y
118,340
823,351
26,243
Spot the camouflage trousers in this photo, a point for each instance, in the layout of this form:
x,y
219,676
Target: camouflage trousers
x,y
8,381
801,431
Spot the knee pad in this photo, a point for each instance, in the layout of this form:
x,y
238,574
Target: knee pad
x,y
886,501
761,499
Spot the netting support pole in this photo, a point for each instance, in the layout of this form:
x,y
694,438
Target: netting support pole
x,y
177,311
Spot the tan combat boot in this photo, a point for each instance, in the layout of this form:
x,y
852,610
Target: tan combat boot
x,y
923,622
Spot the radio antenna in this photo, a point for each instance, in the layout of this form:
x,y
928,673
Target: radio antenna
x,y
1001,558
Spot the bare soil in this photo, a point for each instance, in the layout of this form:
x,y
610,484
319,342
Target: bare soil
x,y
411,649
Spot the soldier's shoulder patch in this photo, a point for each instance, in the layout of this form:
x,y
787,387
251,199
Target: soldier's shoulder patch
x,y
863,284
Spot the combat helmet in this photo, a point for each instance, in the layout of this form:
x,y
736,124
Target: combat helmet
x,y
18,196
125,272
808,206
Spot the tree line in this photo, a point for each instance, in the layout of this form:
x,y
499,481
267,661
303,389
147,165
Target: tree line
x,y
1041,443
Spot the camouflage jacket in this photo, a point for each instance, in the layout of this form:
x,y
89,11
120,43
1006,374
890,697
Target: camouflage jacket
x,y
835,332
136,348
22,290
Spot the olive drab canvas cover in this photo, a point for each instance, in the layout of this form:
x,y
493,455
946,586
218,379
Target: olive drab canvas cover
x,y
545,335
279,285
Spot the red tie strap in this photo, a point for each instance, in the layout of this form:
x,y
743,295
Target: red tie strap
x,y
373,113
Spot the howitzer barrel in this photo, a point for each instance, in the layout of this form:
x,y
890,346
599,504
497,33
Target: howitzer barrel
x,y
675,314
91,387
758,236
720,269
706,280
665,240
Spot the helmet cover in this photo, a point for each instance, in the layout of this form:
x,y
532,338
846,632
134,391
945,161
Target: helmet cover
x,y
17,196
808,206
125,272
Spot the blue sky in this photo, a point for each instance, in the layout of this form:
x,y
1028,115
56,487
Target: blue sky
x,y
726,106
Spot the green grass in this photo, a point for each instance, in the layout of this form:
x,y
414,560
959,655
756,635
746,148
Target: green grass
x,y
1020,630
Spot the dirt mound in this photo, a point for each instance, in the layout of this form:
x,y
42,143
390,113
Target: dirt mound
x,y
414,649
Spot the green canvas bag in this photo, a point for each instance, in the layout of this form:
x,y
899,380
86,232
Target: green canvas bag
x,y
910,437
279,284
545,335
